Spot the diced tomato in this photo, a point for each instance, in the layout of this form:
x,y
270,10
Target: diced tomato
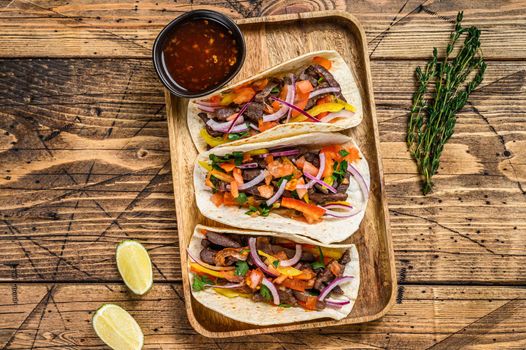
x,y
231,276
234,189
229,200
281,255
217,199
304,87
266,191
335,268
280,279
291,185
254,278
276,106
228,167
310,304
244,95
215,99
329,167
280,169
311,212
295,284
203,231
300,162
301,191
269,159
309,168
322,61
300,101
247,157
266,125
283,93
237,176
260,84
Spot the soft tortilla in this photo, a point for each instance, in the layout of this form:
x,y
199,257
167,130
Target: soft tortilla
x,y
341,72
262,314
328,231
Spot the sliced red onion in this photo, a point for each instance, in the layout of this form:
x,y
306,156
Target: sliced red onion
x,y
336,282
243,109
294,259
208,266
253,126
296,109
318,176
361,181
225,286
224,127
255,256
281,112
290,99
327,90
290,152
207,103
254,181
321,182
337,303
341,114
248,166
278,193
273,290
339,214
206,108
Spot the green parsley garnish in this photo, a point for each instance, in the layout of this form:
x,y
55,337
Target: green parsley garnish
x,y
343,153
199,282
234,136
274,90
265,293
275,263
320,79
317,265
288,178
241,268
285,306
241,198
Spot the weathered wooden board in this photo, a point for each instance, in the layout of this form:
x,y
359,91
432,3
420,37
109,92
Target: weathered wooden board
x,y
89,115
395,29
46,316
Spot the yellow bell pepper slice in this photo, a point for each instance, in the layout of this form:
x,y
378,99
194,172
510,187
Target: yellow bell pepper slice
x,y
226,99
229,293
210,140
257,152
347,106
287,271
329,180
203,269
326,107
205,165
332,253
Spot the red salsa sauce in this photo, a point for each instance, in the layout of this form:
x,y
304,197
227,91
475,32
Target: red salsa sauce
x,y
200,54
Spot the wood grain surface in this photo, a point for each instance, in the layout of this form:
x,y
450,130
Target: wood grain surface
x,y
84,163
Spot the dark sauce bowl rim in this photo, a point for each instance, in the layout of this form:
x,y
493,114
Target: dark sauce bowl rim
x,y
157,50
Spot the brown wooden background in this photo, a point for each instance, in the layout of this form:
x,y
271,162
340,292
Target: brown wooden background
x,y
84,163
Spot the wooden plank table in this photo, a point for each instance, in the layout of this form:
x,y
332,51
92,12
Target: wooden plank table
x,y
84,163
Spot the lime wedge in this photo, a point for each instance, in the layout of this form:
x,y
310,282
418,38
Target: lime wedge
x,y
134,266
117,328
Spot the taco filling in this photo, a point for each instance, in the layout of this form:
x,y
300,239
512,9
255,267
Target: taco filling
x,y
271,270
302,183
311,94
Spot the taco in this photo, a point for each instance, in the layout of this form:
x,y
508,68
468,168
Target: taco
x,y
314,184
313,92
265,278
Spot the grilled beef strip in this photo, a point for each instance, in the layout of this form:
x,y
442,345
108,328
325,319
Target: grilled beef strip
x,y
322,198
286,296
208,256
344,185
301,296
222,240
249,174
312,158
254,112
305,256
329,78
223,113
324,276
346,257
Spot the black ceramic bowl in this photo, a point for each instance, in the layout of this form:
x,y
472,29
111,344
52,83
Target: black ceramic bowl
x,y
158,59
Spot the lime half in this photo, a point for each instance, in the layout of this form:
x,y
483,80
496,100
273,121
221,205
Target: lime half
x,y
134,266
117,328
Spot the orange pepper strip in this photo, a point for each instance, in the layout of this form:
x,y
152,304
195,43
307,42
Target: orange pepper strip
x,y
310,211
234,189
221,176
228,167
238,176
217,199
322,61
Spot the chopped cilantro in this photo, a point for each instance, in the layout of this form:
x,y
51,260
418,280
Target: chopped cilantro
x,y
234,136
320,79
263,210
317,265
274,90
199,282
322,258
275,263
343,153
241,268
265,293
288,178
285,306
241,198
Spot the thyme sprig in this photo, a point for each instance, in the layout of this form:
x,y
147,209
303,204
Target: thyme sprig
x,y
432,119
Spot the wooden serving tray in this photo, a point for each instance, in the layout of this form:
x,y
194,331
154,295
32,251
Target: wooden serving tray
x,y
272,40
